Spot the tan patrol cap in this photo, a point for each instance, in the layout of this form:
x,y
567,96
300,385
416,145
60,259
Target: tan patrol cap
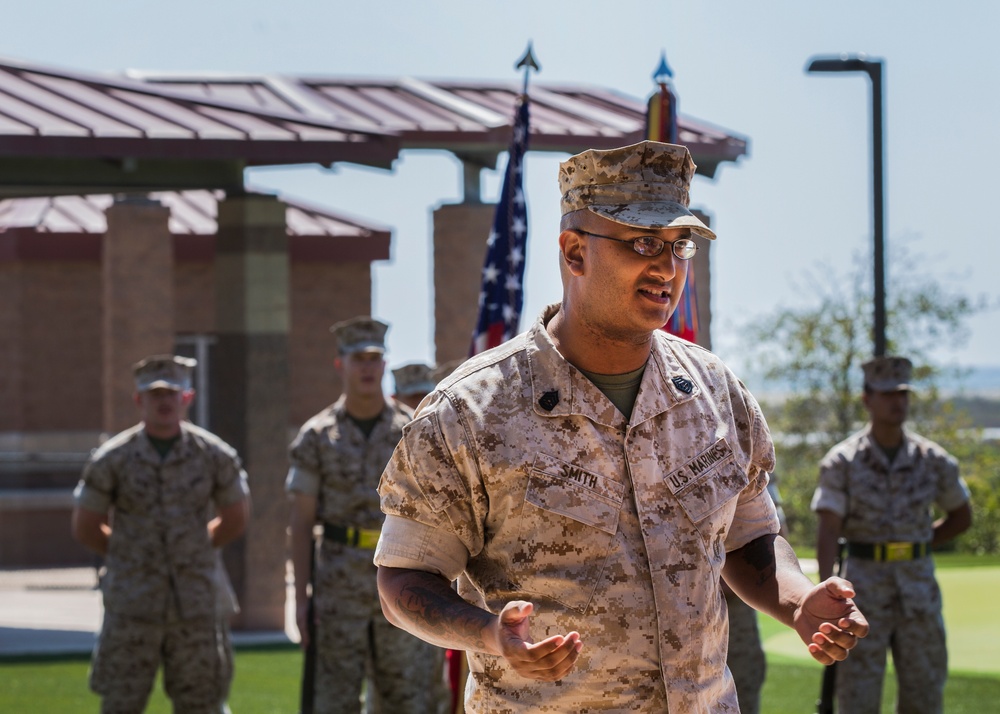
x,y
644,185
888,374
163,372
413,379
360,334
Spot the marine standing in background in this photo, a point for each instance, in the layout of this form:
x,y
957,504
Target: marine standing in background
x,y
876,489
413,382
166,599
336,461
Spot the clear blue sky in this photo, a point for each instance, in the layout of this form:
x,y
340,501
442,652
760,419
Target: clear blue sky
x,y
801,199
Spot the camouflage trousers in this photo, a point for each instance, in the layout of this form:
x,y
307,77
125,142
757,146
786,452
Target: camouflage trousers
x,y
906,619
197,660
746,658
352,635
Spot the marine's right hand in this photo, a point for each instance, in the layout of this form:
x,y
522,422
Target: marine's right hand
x,y
546,661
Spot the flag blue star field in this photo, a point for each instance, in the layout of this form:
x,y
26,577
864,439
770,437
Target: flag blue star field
x,y
502,294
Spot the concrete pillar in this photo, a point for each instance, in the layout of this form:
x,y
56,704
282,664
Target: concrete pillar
x,y
137,283
460,233
250,392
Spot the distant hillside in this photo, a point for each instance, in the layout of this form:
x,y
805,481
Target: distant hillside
x,y
985,413
965,382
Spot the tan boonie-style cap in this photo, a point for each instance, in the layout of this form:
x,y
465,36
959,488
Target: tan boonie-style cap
x,y
413,379
360,334
644,185
164,372
888,374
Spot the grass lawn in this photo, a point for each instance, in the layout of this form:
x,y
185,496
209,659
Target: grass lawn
x,y
267,677
267,682
968,585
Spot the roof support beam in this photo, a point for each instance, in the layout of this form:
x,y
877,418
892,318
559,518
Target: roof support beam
x,y
51,177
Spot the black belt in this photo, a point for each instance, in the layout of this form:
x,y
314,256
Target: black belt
x,y
349,535
888,552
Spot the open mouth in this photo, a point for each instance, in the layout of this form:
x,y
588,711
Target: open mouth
x,y
658,294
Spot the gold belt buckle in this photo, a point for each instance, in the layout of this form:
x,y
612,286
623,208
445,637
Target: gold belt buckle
x,y
898,551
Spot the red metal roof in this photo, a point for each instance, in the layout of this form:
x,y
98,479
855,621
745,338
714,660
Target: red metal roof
x,y
48,112
469,117
191,212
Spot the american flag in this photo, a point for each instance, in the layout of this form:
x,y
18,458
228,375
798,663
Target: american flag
x,y
502,294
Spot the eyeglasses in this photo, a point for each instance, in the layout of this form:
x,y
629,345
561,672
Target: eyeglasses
x,y
651,246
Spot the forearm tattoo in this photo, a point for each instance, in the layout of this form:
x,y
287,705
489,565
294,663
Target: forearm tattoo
x,y
438,614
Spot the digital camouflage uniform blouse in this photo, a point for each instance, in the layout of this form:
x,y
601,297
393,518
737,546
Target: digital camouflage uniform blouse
x,y
334,461
160,546
616,530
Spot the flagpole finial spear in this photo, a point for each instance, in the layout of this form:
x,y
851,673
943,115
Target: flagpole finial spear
x,y
663,72
529,62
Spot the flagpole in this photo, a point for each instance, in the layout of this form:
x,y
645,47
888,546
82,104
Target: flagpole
x,y
529,62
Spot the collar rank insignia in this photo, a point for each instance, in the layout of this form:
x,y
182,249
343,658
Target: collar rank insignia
x,y
549,400
684,384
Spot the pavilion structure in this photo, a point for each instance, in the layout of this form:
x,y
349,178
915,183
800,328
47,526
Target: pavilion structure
x,y
126,229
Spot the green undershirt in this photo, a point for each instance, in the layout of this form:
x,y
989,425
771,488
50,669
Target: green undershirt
x,y
367,426
163,446
620,389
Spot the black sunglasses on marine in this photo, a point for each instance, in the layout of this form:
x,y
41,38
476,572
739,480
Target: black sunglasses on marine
x,y
652,246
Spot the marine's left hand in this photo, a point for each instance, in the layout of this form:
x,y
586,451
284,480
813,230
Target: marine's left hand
x,y
829,622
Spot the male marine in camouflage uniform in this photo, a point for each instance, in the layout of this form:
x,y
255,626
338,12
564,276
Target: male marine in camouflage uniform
x,y
876,489
336,460
589,481
413,382
166,598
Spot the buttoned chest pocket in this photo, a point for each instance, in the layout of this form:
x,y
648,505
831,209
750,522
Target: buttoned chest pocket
x,y
707,487
568,523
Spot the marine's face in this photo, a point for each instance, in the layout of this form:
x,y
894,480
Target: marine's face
x,y
888,408
362,373
625,295
163,409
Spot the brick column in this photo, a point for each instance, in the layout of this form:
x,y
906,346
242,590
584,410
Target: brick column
x,y
460,233
250,392
137,283
12,351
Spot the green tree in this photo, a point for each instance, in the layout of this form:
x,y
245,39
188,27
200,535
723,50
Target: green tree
x,y
814,352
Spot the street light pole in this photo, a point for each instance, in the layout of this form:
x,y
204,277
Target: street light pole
x,y
873,68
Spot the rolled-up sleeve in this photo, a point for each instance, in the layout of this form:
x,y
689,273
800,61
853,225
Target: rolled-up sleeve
x,y
96,488
303,456
415,546
755,516
952,490
831,493
433,480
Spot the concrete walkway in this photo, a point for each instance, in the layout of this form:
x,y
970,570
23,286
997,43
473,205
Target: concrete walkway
x,y
54,612
59,611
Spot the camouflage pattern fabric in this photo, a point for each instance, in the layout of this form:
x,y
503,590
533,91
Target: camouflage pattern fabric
x,y
882,502
617,530
745,658
643,185
197,657
332,460
162,584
